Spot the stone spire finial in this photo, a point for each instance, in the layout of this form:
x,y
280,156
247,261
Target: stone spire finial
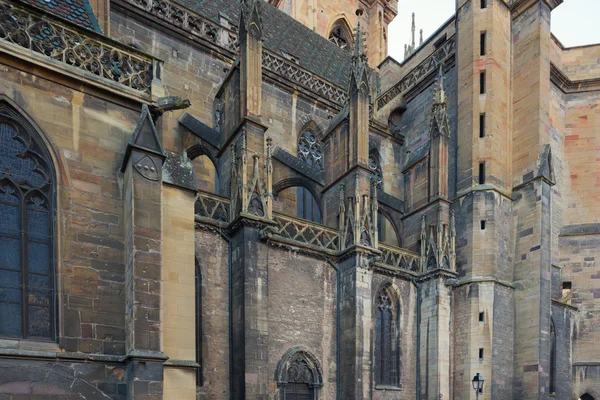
x,y
410,48
412,29
440,92
250,18
359,57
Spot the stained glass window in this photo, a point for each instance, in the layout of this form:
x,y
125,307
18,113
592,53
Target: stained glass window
x,y
385,348
26,272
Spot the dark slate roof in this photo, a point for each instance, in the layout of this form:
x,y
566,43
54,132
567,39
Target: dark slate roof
x,y
77,11
282,33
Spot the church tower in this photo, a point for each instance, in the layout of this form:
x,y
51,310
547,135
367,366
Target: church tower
x,y
333,19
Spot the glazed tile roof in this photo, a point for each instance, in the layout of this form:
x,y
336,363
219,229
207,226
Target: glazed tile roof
x,y
76,11
282,33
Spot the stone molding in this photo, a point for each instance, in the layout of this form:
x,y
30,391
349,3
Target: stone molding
x,y
567,86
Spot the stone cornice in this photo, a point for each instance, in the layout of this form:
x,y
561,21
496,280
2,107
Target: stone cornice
x,y
567,86
580,230
564,305
471,281
517,7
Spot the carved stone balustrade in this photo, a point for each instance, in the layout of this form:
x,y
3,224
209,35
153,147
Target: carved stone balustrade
x,y
212,209
291,71
426,68
307,233
399,258
59,43
191,22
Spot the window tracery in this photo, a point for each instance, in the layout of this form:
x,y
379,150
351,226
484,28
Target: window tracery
x,y
341,36
298,375
309,150
26,248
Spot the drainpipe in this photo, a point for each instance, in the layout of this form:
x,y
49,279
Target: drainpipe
x,y
418,286
230,297
338,334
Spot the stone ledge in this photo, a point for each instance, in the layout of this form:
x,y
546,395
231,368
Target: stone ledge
x,y
52,355
390,388
580,230
182,364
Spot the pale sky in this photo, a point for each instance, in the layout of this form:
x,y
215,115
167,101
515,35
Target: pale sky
x,y
574,23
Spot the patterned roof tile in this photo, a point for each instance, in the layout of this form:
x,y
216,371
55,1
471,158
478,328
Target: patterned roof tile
x,y
282,33
77,11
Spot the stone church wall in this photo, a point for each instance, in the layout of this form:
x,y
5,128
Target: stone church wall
x,y
187,71
87,132
579,238
303,293
212,253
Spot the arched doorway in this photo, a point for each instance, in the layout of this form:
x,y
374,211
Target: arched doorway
x,y
298,375
586,397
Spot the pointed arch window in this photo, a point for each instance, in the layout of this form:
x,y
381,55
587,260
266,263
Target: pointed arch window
x,y
341,35
27,293
309,151
386,346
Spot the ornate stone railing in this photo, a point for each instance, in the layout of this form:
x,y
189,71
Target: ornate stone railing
x,y
306,232
212,207
399,258
74,46
190,22
296,74
420,72
214,210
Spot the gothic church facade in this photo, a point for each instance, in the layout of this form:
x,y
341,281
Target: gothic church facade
x,y
248,199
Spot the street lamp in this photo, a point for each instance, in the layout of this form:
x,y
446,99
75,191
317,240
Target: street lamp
x,y
477,384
